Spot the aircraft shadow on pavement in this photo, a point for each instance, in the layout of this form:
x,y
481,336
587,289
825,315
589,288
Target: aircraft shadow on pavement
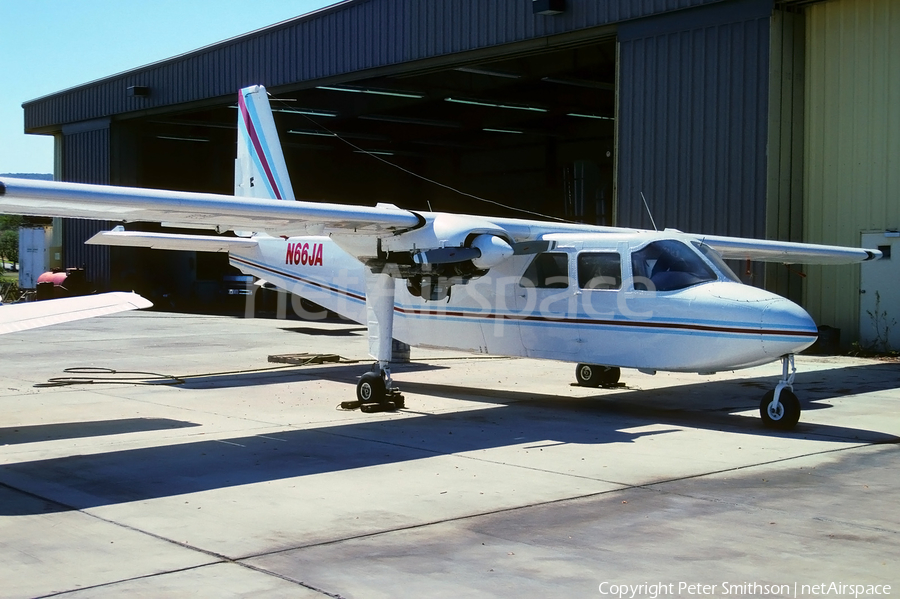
x,y
705,404
35,433
712,405
676,406
511,419
317,332
344,373
85,481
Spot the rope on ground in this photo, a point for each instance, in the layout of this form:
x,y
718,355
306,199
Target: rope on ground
x,y
108,376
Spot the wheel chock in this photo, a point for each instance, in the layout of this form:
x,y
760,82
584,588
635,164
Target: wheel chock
x,y
371,408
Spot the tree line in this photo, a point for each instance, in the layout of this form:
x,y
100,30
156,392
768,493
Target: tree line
x,y
9,238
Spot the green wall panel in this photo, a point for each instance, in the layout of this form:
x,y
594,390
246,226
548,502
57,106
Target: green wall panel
x,y
852,149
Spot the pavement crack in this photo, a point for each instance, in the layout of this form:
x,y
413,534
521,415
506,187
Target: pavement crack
x,y
120,581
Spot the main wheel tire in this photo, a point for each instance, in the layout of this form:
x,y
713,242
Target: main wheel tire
x,y
585,375
370,388
591,375
609,375
786,416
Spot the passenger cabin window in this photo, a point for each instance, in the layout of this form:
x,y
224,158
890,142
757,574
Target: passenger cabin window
x,y
599,270
668,265
547,271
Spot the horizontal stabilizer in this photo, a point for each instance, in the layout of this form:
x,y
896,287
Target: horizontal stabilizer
x,y
787,252
31,315
171,241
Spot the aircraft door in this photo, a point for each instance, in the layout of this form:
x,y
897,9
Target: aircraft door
x,y
546,304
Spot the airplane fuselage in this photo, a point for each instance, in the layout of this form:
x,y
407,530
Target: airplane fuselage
x,y
594,299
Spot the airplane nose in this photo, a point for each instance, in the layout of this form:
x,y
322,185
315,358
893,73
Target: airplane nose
x,y
786,327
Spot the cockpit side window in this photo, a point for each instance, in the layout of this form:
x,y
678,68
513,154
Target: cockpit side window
x,y
549,270
599,270
668,265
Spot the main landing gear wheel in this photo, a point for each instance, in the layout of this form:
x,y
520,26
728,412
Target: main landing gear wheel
x,y
592,375
370,388
784,415
373,395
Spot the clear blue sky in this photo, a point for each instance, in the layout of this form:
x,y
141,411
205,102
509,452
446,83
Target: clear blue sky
x,y
49,45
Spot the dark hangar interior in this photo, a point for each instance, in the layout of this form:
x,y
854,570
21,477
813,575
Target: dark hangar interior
x,y
535,132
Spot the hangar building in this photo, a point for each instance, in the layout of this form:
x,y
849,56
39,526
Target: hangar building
x,y
757,118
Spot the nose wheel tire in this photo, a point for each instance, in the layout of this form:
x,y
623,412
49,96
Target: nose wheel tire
x,y
785,415
592,375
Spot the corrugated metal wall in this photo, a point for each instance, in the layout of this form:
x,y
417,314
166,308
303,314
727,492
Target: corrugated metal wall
x,y
693,100
784,187
852,178
349,38
86,160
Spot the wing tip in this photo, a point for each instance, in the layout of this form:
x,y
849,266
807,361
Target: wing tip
x,y
870,254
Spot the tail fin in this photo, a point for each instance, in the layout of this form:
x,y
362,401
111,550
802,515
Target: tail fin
x,y
259,170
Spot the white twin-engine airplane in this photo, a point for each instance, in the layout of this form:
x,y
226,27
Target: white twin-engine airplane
x,y
603,297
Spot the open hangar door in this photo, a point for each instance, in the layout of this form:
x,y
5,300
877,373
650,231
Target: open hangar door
x,y
532,132
523,131
508,130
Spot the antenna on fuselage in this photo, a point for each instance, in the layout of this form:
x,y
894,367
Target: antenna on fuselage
x,y
650,214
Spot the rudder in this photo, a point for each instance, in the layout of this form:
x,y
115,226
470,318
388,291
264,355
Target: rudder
x,y
259,170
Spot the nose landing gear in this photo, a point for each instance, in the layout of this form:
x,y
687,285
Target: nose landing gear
x,y
780,408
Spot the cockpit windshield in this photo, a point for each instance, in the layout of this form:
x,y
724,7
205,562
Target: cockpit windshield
x,y
714,257
668,265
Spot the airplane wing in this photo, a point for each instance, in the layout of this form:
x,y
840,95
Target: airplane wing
x,y
787,252
277,217
31,315
201,210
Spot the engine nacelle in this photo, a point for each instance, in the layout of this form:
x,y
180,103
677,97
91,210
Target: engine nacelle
x,y
450,249
441,230
494,250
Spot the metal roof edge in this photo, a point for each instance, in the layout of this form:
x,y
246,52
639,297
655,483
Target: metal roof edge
x,y
325,10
